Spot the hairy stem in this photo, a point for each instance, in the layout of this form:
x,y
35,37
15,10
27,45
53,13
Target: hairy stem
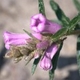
x,y
76,32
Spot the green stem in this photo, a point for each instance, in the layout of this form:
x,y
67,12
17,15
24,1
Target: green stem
x,y
76,32
41,7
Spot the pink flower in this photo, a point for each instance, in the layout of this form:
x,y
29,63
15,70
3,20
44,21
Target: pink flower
x,y
45,62
18,39
39,23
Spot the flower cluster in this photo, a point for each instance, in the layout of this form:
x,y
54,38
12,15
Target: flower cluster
x,y
34,45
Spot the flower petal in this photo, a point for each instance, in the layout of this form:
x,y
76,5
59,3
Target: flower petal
x,y
34,28
40,17
11,36
37,20
51,51
15,42
14,39
45,63
41,27
37,35
33,21
51,27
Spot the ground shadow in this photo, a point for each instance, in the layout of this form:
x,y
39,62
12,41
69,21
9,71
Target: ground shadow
x,y
62,62
74,75
2,53
67,61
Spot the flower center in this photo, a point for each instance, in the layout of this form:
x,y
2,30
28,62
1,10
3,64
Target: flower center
x,y
37,22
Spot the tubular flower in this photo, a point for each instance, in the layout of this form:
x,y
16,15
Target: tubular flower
x,y
45,62
17,39
39,23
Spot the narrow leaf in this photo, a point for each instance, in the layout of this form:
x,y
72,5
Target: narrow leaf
x,y
77,4
78,52
54,62
34,66
41,7
59,13
74,22
27,32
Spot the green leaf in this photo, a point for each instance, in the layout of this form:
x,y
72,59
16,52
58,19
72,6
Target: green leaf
x,y
41,7
34,66
74,22
51,75
78,46
78,52
59,34
54,62
77,4
59,13
66,30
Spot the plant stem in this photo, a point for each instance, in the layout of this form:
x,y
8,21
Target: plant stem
x,y
76,32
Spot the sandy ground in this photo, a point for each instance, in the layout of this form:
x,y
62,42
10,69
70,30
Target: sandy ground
x,y
14,16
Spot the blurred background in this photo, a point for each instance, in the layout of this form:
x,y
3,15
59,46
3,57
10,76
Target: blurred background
x,y
15,16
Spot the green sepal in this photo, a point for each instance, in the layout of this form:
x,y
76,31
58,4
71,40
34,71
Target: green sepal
x,y
27,32
34,66
54,62
41,7
59,13
77,4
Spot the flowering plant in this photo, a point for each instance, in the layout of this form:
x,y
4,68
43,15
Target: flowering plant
x,y
46,41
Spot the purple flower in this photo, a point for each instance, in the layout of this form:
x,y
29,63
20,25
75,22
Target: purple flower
x,y
39,23
18,39
45,62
